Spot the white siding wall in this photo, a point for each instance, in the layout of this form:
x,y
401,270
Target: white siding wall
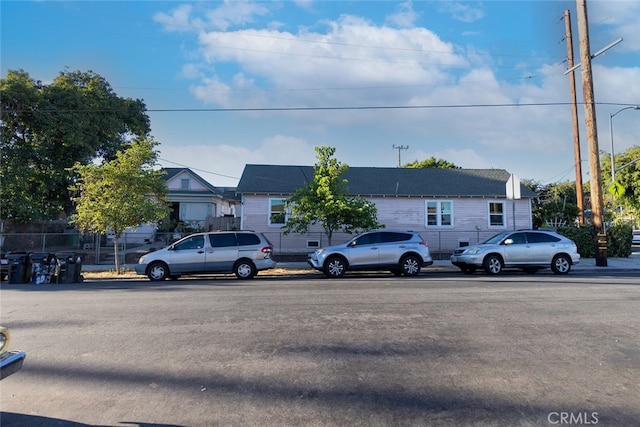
x,y
470,221
174,184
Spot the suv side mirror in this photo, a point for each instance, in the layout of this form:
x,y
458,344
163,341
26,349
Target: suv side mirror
x,y
508,242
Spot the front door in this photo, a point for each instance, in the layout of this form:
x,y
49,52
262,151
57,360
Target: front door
x,y
364,250
517,251
188,255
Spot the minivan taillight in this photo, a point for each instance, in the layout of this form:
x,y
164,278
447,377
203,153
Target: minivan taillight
x,y
267,249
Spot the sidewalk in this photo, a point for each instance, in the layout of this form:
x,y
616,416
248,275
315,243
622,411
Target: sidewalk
x,y
632,263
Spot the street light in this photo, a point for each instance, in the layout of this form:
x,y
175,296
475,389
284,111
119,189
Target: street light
x,y
611,116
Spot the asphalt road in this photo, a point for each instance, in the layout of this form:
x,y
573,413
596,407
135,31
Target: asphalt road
x,y
366,350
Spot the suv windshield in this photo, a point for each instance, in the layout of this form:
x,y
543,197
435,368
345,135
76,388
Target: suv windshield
x,y
497,238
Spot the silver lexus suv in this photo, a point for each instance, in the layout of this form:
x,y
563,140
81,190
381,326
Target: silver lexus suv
x,y
241,252
401,252
530,250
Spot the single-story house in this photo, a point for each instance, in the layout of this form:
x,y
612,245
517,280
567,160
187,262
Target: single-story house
x,y
196,202
449,207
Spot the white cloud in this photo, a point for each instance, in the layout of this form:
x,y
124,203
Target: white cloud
x,y
463,12
235,12
621,20
229,13
405,17
355,63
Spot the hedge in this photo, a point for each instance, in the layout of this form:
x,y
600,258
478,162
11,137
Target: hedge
x,y
619,238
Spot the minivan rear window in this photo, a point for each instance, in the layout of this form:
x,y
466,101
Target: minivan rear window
x,y
220,240
248,239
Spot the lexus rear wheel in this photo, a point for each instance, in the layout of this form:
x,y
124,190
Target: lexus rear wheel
x,y
561,264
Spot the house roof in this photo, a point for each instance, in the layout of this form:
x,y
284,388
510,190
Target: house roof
x,y
224,192
373,181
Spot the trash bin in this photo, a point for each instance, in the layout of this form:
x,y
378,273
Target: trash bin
x,y
43,267
69,267
19,267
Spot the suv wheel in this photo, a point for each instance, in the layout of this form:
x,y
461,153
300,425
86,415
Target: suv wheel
x,y
492,264
158,271
335,267
410,265
561,264
244,269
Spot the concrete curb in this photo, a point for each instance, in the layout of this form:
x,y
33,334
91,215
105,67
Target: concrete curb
x,y
614,265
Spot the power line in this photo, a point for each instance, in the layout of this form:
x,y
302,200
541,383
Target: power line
x,y
364,107
199,170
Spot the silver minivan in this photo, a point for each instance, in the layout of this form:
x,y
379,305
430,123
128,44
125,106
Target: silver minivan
x,y
241,252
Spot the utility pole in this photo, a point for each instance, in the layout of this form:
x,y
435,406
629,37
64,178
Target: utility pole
x,y
400,147
592,134
574,116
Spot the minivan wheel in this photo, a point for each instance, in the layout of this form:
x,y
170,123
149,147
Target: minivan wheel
x,y
492,264
561,264
158,271
335,267
410,265
244,269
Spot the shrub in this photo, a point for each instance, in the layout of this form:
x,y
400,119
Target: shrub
x,y
583,237
619,238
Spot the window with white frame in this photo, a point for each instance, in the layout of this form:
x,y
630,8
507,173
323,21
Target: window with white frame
x,y
277,212
497,214
185,184
439,213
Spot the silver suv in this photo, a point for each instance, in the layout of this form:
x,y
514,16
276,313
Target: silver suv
x,y
401,252
241,252
530,250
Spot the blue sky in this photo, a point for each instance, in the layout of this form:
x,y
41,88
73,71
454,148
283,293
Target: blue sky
x,y
197,65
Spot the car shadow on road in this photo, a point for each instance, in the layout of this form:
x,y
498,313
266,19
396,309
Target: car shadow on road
x,y
12,419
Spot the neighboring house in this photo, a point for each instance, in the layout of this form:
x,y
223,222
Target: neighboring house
x,y
197,203
449,207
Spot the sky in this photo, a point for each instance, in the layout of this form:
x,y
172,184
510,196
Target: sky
x,y
227,83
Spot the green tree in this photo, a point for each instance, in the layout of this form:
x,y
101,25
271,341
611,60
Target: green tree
x,y
628,176
556,204
324,201
431,162
46,129
121,193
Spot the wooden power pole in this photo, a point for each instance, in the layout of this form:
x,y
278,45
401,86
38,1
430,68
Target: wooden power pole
x,y
574,116
400,147
592,134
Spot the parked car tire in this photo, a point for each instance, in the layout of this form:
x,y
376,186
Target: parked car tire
x,y
493,264
244,269
561,264
158,271
335,267
410,265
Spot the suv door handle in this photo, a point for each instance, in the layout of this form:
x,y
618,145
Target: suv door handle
x,y
200,252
